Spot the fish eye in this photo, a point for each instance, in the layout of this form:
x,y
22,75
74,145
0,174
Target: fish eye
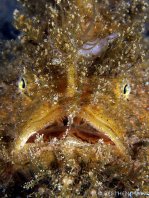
x,y
126,90
22,84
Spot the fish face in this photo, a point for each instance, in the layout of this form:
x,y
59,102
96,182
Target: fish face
x,y
77,100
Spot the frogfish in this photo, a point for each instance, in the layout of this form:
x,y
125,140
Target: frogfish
x,y
74,102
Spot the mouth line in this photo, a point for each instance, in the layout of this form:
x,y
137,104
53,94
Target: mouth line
x,y
85,133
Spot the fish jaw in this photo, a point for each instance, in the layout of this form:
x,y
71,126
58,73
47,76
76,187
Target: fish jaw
x,y
100,123
42,117
46,115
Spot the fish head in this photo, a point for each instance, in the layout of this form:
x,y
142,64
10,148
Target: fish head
x,y
78,122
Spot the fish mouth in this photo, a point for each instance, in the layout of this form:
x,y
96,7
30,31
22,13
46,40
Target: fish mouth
x,y
79,130
88,125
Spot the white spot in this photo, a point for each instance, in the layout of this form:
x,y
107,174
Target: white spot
x,y
56,61
97,47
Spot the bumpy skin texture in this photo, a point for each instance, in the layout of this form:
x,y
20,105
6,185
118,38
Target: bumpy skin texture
x,y
74,125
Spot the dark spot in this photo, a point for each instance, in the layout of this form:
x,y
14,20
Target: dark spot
x,y
65,121
8,138
68,169
20,177
85,186
113,183
136,148
33,42
125,89
23,83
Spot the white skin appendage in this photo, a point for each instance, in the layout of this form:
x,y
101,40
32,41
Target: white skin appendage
x,y
97,47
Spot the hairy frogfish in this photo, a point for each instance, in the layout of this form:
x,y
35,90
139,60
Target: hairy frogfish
x,y
74,100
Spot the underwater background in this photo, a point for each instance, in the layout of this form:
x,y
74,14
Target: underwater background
x,y
7,31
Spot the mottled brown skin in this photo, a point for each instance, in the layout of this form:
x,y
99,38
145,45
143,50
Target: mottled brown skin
x,y
72,126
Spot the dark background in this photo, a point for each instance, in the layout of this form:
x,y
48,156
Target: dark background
x,y
7,31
